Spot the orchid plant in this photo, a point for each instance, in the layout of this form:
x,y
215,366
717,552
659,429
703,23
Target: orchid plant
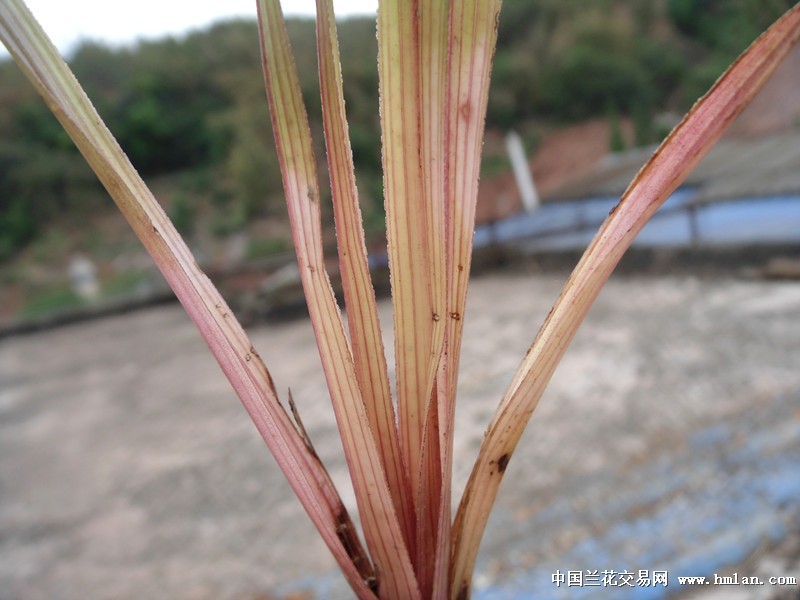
x,y
434,65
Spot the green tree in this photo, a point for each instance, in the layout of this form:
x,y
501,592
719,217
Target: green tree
x,y
253,161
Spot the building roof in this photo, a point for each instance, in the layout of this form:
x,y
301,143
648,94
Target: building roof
x,y
734,168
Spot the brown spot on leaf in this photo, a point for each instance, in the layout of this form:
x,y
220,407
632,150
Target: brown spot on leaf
x,y
372,583
269,379
455,316
502,462
435,317
343,532
349,539
463,592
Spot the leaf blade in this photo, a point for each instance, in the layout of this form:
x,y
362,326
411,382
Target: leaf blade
x,y
471,43
433,30
365,330
238,359
382,528
415,265
671,163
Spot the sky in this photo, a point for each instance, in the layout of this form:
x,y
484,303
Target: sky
x,y
69,21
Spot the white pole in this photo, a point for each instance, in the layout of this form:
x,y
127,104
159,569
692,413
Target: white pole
x,y
522,171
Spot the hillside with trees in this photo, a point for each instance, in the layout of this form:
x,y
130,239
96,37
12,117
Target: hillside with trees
x,y
191,112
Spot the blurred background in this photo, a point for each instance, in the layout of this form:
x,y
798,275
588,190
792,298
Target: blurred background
x,y
668,441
